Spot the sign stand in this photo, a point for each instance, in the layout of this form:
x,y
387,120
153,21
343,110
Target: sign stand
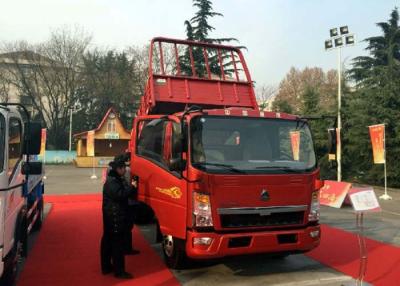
x,y
363,200
363,253
363,249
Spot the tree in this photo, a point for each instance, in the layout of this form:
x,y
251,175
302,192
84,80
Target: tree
x,y
198,28
108,80
265,95
292,89
376,100
49,75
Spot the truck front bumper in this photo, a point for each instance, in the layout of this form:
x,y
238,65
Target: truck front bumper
x,y
206,245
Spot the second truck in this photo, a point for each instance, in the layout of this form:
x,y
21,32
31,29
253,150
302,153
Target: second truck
x,y
220,176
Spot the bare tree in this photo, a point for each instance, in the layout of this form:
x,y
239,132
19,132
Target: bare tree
x,y
140,63
49,75
295,83
265,95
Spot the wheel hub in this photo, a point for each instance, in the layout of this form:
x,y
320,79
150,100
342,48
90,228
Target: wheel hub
x,y
168,245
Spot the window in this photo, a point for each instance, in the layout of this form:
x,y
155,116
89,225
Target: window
x,y
251,145
111,126
151,140
14,144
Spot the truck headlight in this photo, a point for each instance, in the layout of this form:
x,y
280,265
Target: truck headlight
x,y
202,210
314,207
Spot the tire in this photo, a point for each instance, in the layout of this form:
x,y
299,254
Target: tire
x,y
39,220
143,214
11,264
174,252
280,256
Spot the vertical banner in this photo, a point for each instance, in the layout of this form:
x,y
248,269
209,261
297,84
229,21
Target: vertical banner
x,y
377,134
43,142
90,143
295,142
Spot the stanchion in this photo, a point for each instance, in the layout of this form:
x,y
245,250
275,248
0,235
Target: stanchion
x,y
44,165
93,177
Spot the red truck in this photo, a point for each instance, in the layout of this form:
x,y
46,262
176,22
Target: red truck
x,y
220,176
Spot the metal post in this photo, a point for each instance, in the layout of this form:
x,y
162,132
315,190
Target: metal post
x,y
93,177
70,131
385,196
339,119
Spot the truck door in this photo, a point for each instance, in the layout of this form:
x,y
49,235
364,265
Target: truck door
x,y
161,188
13,200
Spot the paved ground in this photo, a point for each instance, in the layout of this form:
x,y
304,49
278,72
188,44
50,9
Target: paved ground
x,y
250,270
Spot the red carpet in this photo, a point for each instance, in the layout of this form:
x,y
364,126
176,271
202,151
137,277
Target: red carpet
x,y
67,249
339,250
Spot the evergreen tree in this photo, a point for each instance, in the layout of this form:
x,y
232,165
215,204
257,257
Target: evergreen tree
x,y
376,100
198,28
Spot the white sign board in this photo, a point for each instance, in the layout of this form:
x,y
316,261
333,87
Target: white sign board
x,y
364,200
111,135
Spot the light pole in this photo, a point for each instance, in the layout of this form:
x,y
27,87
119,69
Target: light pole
x,y
338,41
70,130
72,109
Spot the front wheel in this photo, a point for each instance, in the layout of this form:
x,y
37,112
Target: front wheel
x,y
174,252
11,264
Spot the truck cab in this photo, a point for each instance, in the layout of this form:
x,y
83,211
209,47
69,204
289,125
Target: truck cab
x,y
220,176
21,187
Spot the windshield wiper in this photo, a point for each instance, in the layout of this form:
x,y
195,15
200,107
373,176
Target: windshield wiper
x,y
287,169
225,166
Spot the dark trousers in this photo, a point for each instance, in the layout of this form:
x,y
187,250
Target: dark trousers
x,y
112,252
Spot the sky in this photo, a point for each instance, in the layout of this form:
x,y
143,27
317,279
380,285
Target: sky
x,y
278,34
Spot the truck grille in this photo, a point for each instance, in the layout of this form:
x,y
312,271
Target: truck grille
x,y
253,220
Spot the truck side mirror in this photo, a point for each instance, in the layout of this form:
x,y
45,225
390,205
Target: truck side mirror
x,y
33,134
177,164
32,168
332,145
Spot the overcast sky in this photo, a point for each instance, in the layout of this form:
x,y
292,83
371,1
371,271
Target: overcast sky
x,y
278,33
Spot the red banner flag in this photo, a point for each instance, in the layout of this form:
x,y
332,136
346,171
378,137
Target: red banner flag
x,y
90,143
295,141
43,142
377,134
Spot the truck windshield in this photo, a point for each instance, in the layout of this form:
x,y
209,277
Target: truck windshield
x,y
251,145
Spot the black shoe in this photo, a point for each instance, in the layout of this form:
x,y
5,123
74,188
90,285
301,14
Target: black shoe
x,y
132,252
123,275
106,271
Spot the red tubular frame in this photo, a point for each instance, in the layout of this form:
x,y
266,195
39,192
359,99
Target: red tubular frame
x,y
223,91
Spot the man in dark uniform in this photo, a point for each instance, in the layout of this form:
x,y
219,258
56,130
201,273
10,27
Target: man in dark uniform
x,y
116,192
132,205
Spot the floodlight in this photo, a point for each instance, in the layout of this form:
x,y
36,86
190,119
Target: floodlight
x,y
344,30
333,32
350,40
339,42
328,44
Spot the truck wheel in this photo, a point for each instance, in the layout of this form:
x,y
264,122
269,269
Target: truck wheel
x,y
39,220
174,252
143,214
11,264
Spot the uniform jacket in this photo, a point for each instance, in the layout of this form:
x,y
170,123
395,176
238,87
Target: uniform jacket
x,y
116,192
